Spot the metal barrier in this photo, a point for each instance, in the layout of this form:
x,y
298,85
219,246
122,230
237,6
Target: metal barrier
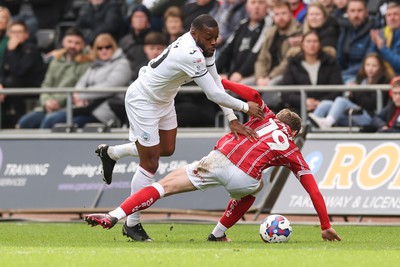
x,y
303,89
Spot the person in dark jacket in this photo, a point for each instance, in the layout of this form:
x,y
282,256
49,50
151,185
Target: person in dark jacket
x,y
50,12
236,61
22,66
5,18
354,40
330,113
388,120
132,43
312,66
100,16
192,9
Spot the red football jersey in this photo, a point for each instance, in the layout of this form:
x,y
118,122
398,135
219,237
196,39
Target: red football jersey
x,y
275,147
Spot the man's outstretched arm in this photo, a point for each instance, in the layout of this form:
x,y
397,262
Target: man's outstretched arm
x,y
309,184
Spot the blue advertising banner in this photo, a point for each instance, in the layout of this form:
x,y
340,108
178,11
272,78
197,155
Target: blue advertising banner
x,y
356,176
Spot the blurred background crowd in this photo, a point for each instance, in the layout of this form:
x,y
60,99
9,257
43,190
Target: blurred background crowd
x,y
103,44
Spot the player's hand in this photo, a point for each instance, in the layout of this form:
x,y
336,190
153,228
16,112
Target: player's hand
x,y
330,235
238,128
255,110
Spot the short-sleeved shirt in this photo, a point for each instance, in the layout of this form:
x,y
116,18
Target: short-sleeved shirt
x,y
275,147
180,63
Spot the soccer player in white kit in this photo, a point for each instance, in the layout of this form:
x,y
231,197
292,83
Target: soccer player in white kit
x,y
236,164
149,103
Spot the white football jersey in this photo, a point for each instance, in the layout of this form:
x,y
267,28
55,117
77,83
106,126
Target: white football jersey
x,y
178,64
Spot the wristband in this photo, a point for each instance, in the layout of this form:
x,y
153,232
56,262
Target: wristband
x,y
245,108
231,116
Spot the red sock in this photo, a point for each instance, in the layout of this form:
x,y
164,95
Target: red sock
x,y
141,200
236,209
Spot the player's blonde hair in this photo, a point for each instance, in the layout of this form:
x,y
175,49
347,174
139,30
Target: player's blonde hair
x,y
290,118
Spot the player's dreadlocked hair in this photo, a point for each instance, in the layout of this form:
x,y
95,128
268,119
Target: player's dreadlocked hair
x,y
204,20
290,118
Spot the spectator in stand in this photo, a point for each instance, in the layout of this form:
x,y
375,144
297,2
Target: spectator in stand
x,y
380,12
132,43
237,56
154,45
67,66
22,66
279,39
340,12
50,12
109,69
100,16
299,9
354,40
193,9
388,120
314,65
13,6
373,71
229,17
5,17
386,41
328,5
157,10
173,24
22,11
335,113
318,20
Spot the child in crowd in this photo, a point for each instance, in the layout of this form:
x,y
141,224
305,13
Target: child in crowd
x,y
329,113
388,120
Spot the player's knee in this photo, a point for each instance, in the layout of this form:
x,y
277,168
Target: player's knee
x,y
168,151
259,187
150,164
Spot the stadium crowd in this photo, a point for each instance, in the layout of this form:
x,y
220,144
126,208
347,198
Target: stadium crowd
x,y
104,43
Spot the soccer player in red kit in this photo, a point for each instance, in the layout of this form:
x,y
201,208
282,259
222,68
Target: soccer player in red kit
x,y
236,164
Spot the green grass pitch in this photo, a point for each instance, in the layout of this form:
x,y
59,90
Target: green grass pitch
x,y
77,244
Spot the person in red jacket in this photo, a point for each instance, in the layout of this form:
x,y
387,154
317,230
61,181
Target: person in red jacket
x,y
236,164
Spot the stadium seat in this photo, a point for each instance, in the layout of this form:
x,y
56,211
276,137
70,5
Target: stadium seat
x,y
46,39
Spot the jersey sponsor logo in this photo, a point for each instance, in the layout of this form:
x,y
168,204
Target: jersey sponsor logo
x,y
199,66
146,136
194,51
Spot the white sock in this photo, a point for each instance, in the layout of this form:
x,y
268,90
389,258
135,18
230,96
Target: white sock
x,y
219,230
329,120
121,151
118,213
141,178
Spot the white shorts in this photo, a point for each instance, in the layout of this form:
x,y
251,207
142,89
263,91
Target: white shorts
x,y
216,169
146,119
